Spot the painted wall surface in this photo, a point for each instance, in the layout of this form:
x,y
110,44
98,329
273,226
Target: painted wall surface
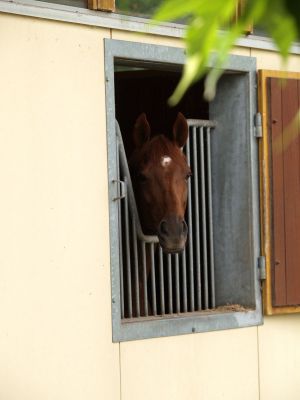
x,y
55,315
55,330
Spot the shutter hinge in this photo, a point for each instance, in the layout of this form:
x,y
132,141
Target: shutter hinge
x,y
262,267
257,125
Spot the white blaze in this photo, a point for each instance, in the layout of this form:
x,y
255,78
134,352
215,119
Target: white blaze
x,y
165,161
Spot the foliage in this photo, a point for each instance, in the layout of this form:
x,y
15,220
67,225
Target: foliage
x,y
211,33
140,7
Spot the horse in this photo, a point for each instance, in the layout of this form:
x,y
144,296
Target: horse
x,y
159,173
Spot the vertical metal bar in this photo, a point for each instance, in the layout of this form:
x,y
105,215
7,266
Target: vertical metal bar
x,y
203,218
190,238
128,264
161,280
170,291
121,260
136,272
184,290
199,254
177,287
120,217
144,276
196,220
210,218
153,286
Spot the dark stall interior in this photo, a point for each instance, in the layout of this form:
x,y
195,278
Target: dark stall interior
x,y
140,90
147,89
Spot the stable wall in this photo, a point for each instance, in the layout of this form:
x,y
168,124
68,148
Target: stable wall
x,y
55,335
55,330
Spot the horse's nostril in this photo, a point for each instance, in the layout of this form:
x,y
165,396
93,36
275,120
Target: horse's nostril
x,y
163,229
172,228
184,228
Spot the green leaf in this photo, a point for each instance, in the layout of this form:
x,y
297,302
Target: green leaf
x,y
174,9
207,18
189,72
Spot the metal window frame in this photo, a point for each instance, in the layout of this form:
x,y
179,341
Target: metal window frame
x,y
148,54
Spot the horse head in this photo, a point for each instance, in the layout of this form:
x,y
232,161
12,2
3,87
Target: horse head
x,y
159,173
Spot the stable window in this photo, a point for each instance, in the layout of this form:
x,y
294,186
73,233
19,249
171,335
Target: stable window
x,y
214,283
280,188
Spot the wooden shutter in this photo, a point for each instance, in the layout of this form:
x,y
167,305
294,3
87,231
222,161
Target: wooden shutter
x,y
239,9
280,188
102,5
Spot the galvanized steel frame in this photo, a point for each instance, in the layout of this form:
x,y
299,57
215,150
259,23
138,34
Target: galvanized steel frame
x,y
154,55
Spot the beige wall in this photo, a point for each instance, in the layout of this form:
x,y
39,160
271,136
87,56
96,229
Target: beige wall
x,y
55,316
55,330
216,365
279,350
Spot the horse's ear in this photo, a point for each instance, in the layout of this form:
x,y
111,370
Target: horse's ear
x,y
141,130
180,130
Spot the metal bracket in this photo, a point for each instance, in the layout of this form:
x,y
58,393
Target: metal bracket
x,y
258,125
261,263
122,190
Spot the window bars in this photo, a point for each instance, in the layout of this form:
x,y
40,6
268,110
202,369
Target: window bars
x,y
154,284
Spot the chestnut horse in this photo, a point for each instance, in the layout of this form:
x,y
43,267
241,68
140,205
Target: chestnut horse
x,y
159,172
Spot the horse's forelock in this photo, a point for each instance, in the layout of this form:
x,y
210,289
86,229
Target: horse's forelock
x,y
156,148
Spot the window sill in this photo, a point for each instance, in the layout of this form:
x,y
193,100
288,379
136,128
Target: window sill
x,y
53,11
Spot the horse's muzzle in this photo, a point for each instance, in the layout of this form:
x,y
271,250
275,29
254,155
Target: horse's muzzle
x,y
172,234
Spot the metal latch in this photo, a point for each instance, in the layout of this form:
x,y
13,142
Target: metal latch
x,y
262,267
121,189
258,125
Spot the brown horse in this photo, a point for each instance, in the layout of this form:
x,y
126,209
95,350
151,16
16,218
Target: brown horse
x,y
159,172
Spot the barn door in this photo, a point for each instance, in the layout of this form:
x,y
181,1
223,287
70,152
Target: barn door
x,y
280,188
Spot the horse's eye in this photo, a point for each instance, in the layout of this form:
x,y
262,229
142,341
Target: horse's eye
x,y
187,177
